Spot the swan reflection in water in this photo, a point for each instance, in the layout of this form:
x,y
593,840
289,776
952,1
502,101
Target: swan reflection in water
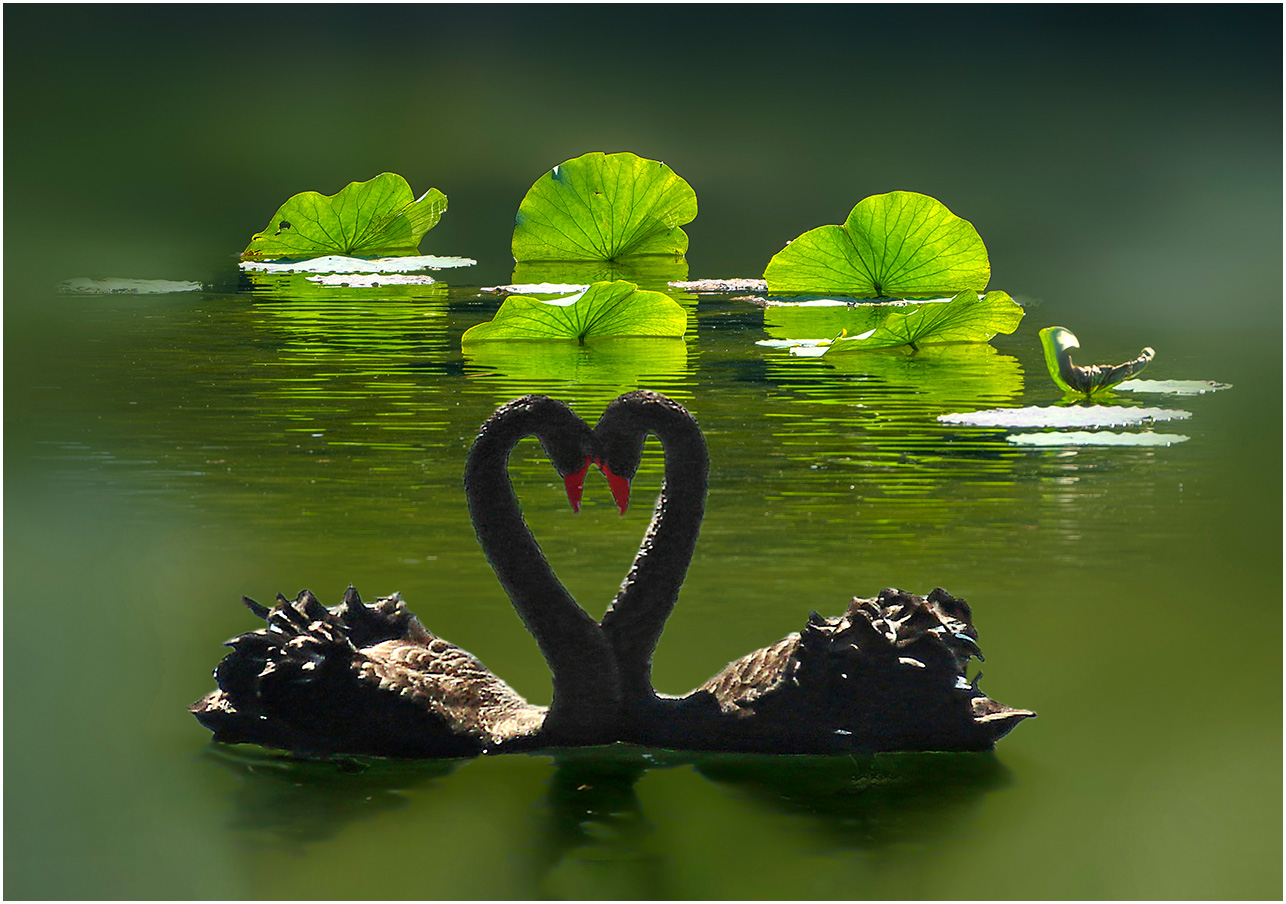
x,y
887,675
588,812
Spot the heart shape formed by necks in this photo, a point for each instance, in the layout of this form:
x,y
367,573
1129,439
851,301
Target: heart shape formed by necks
x,y
363,678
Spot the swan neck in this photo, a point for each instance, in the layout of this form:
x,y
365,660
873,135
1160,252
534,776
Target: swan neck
x,y
637,616
585,698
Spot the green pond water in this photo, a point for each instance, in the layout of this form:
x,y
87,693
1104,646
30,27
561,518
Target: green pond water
x,y
164,455
167,454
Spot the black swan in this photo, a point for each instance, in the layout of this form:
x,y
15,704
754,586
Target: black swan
x,y
888,674
365,678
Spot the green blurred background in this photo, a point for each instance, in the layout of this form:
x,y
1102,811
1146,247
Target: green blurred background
x,y
1137,146
164,455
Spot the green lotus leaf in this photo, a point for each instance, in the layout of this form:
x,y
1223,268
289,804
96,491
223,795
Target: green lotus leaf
x,y
603,311
1058,343
601,207
965,318
900,245
379,216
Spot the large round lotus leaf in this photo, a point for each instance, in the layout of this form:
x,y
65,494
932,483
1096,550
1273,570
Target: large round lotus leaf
x,y
601,207
603,311
379,216
899,245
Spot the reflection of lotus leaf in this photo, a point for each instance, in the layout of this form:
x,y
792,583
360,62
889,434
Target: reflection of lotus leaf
x,y
941,375
372,336
654,272
596,372
299,287
601,207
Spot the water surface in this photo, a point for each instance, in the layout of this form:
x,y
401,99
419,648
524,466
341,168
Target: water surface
x,y
169,454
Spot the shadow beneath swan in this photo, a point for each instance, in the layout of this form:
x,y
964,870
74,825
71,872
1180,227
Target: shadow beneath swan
x,y
590,812
293,802
858,803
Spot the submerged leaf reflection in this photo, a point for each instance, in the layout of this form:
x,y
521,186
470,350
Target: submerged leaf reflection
x,y
875,416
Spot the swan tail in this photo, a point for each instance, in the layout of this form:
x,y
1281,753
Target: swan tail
x,y
889,674
295,684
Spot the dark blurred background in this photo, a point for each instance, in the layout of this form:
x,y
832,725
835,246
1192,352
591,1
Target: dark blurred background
x,y
1138,147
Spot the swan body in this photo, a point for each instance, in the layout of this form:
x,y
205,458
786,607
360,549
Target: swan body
x,y
359,679
364,678
889,674
369,678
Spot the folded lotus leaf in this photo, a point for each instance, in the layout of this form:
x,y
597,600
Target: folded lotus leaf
x,y
378,216
965,318
1058,343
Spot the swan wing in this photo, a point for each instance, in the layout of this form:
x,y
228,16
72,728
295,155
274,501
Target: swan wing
x,y
450,682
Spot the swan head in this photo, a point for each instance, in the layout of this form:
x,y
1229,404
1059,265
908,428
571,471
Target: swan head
x,y
623,429
566,439
893,670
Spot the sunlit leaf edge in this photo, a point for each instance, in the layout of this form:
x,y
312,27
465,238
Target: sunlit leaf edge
x,y
965,318
380,216
852,259
1057,343
561,204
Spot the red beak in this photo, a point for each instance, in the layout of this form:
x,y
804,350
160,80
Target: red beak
x,y
575,486
620,488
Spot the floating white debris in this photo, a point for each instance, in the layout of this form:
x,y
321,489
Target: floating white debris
x,y
115,286
567,300
792,343
1096,438
1172,387
1054,416
372,280
849,303
721,285
546,288
811,303
337,263
810,351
